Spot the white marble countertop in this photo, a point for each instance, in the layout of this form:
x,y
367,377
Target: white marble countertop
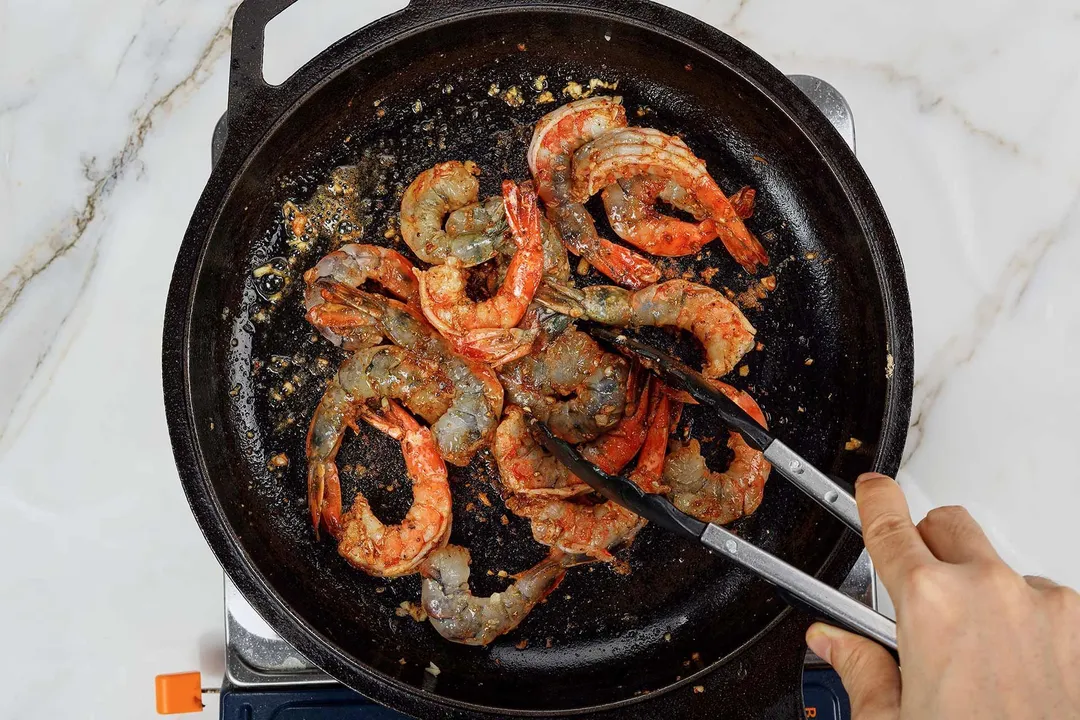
x,y
967,117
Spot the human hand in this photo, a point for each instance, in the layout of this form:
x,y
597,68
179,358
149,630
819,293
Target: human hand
x,y
976,639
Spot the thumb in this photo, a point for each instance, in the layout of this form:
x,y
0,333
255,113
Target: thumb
x,y
869,673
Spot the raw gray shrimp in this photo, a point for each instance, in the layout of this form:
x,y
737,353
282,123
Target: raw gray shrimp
x,y
354,265
556,136
629,152
460,616
714,320
572,384
473,232
470,421
719,497
379,373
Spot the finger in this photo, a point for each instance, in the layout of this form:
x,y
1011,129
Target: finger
x,y
869,674
954,537
895,546
1040,583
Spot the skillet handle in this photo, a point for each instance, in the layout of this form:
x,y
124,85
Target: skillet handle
x,y
251,98
248,89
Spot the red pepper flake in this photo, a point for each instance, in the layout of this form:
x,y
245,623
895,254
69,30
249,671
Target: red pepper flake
x,y
698,689
522,645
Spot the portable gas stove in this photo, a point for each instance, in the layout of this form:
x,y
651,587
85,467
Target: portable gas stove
x,y
266,678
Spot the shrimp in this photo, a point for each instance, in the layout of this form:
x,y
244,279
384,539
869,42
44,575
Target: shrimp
x,y
629,205
354,265
556,263
714,320
578,527
473,231
459,616
395,550
485,329
571,384
527,468
628,152
719,497
370,374
556,136
470,421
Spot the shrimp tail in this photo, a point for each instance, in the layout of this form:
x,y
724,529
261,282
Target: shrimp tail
x,y
324,498
564,299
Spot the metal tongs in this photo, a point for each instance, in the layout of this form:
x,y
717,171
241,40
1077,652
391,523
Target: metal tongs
x,y
793,583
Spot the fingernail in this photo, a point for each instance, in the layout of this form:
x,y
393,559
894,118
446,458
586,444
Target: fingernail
x,y
818,638
869,476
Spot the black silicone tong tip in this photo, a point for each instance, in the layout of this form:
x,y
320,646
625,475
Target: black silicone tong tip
x,y
678,374
654,508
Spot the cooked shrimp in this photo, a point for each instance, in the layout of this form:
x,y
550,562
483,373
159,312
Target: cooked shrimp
x,y
629,205
718,497
527,468
477,327
572,384
469,423
354,265
714,320
472,235
460,616
577,527
556,136
395,550
628,152
385,372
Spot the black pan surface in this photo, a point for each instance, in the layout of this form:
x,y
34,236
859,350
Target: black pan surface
x,y
835,361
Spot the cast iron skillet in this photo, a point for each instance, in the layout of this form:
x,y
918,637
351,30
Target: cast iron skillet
x,y
615,645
